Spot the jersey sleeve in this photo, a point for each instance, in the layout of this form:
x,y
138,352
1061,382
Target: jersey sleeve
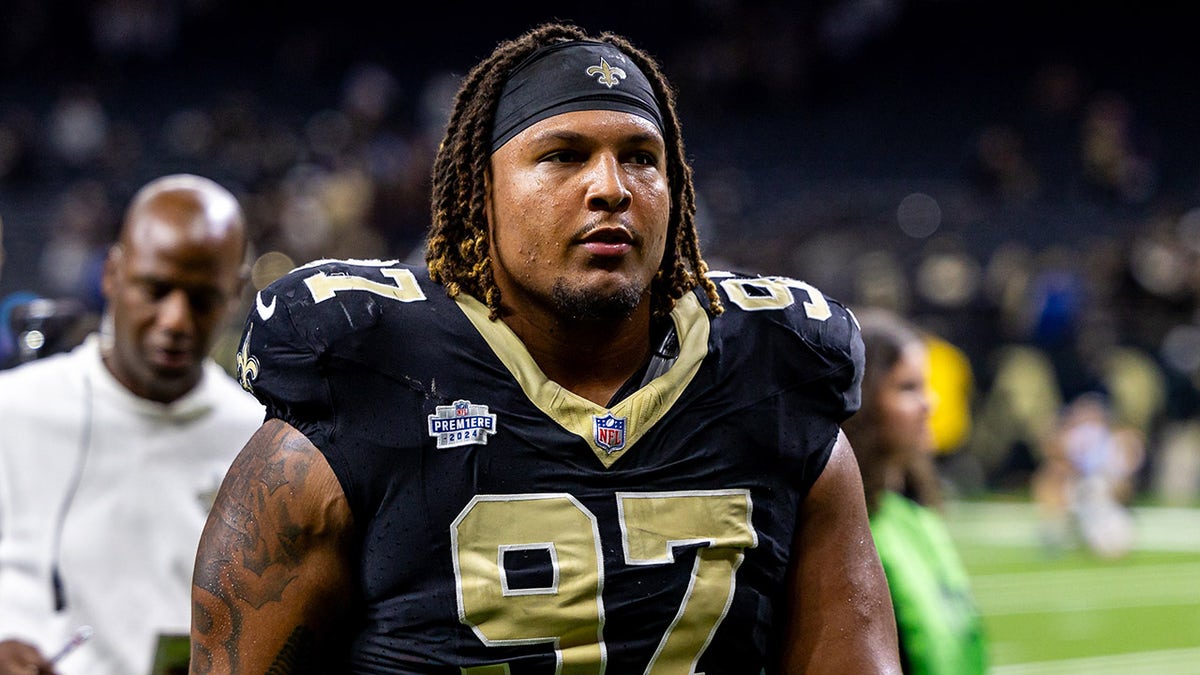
x,y
837,349
828,383
800,355
801,339
290,338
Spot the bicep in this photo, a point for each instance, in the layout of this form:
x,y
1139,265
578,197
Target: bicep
x,y
273,569
840,617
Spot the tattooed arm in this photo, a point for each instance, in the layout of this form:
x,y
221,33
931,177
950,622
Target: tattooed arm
x,y
274,569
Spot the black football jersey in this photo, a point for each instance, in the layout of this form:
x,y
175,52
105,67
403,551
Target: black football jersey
x,y
511,526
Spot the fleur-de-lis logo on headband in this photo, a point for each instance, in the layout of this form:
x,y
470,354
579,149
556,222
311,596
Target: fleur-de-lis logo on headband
x,y
609,76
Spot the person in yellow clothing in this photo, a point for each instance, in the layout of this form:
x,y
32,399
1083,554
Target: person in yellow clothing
x,y
953,384
939,626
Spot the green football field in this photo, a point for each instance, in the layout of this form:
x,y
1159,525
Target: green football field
x,y
1073,612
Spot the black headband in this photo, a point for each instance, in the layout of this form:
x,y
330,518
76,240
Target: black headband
x,y
569,76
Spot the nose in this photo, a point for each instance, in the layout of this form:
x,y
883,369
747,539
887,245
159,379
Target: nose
x,y
175,313
928,400
607,191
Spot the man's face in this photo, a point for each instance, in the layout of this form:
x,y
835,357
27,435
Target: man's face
x,y
168,295
578,207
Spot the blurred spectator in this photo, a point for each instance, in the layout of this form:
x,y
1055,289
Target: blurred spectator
x,y
1015,413
1002,166
111,454
1176,474
1113,153
952,393
78,126
71,260
941,630
1085,480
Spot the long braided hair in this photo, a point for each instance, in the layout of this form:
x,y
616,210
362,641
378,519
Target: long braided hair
x,y
458,254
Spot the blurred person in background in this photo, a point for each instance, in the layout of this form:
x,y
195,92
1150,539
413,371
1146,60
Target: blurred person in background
x,y
110,453
952,388
563,445
1085,480
940,627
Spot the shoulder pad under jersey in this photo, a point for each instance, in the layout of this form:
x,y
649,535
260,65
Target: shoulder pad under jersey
x,y
810,339
303,317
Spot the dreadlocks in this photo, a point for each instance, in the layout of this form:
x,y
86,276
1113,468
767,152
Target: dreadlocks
x,y
458,254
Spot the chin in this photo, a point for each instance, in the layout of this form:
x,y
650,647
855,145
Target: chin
x,y
173,377
591,303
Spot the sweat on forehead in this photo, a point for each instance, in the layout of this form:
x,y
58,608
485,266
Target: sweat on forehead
x,y
570,76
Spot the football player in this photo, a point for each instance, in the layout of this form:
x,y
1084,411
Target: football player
x,y
562,446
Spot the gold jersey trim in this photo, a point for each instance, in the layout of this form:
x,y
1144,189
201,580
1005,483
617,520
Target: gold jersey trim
x,y
572,412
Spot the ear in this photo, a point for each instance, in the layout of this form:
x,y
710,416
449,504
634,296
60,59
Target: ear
x,y
244,276
243,280
108,276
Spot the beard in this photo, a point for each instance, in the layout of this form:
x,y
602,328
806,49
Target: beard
x,y
585,304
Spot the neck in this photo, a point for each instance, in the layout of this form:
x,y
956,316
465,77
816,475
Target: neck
x,y
893,478
593,358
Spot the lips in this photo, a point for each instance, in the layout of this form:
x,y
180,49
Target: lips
x,y
169,358
608,241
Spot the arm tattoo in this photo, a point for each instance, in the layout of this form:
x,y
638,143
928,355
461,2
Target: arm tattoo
x,y
252,545
296,653
252,530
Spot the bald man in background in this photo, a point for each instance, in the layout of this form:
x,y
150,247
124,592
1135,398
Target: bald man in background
x,y
110,454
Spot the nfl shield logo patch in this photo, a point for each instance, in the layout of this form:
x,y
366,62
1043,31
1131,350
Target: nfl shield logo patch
x,y
609,432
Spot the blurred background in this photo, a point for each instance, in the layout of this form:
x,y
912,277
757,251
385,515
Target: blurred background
x,y
1022,179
